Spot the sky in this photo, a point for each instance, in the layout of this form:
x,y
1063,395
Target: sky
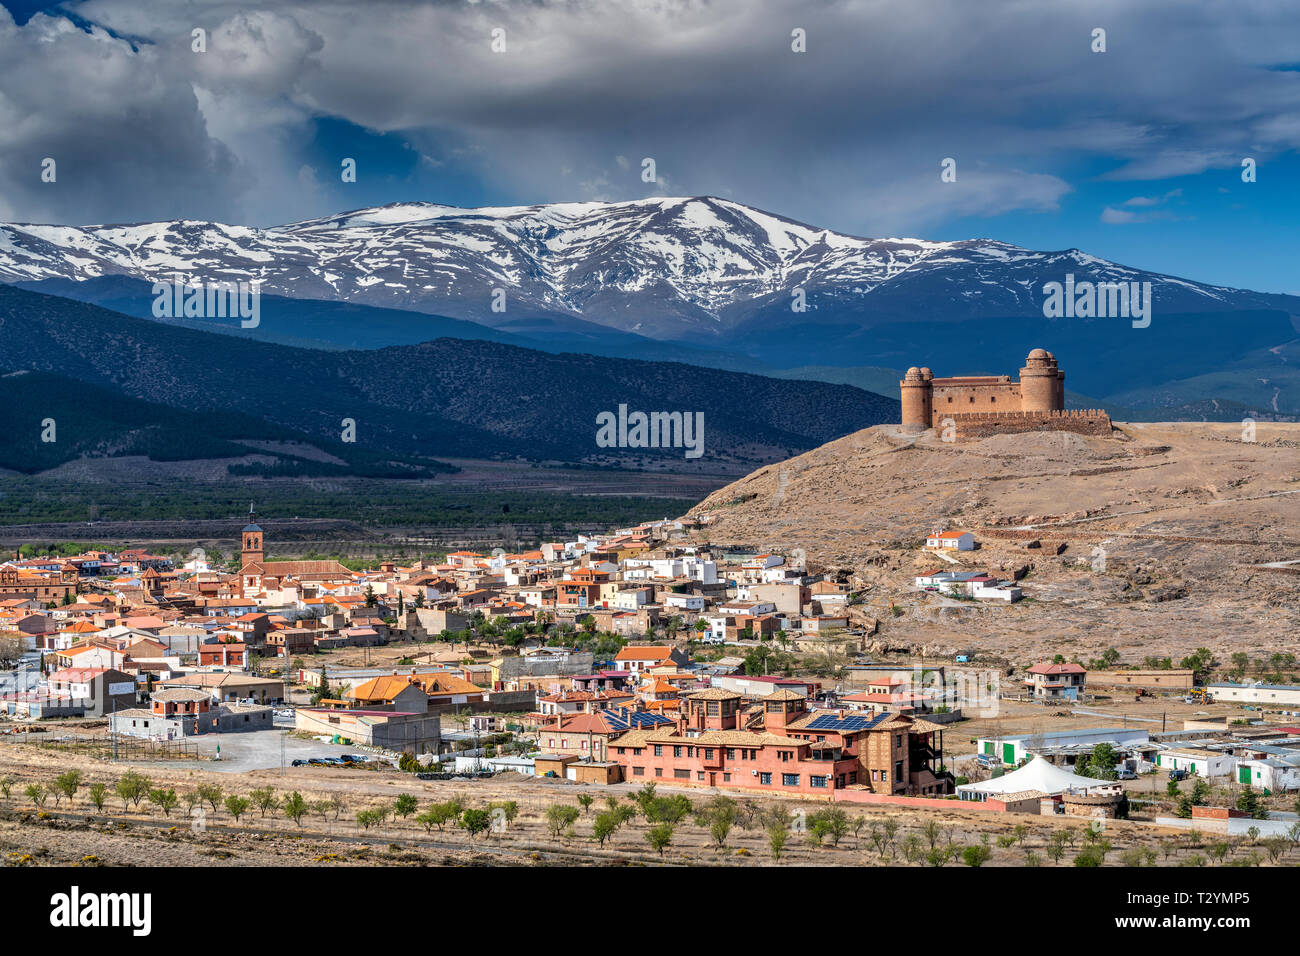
x,y
1133,153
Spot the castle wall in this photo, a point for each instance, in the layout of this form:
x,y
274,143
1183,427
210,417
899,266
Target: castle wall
x,y
965,399
1090,421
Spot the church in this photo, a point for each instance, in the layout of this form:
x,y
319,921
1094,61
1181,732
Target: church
x,y
256,574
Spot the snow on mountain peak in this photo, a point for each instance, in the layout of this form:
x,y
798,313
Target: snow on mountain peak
x,y
668,266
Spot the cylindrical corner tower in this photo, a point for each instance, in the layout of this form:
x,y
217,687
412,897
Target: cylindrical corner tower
x,y
1038,382
916,395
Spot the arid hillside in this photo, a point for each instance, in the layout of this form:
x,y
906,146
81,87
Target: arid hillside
x,y
1154,541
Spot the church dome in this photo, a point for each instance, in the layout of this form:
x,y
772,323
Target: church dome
x,y
913,375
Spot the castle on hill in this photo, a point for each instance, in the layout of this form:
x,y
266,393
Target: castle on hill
x,y
977,406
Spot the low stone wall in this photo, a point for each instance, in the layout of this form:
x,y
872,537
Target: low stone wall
x,y
925,803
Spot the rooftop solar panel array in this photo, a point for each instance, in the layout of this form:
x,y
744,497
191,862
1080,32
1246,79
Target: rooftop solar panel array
x,y
849,722
625,720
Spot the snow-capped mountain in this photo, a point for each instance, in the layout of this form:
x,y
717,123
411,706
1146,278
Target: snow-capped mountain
x,y
679,269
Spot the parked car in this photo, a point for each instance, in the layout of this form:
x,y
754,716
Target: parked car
x,y
299,763
316,761
1177,774
1126,775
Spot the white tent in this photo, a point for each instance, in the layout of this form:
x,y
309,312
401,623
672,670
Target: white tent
x,y
1038,775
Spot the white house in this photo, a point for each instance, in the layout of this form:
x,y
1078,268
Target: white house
x,y
1272,774
1281,695
1203,763
951,541
630,599
687,602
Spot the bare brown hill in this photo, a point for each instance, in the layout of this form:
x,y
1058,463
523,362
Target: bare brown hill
x,y
1155,540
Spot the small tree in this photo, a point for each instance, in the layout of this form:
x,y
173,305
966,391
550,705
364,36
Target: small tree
x,y
560,817
367,818
236,806
37,793
405,805
777,837
659,836
604,827
833,824
264,799
210,793
6,785
295,808
585,800
97,792
931,832
67,783
133,787
164,800
475,821
438,815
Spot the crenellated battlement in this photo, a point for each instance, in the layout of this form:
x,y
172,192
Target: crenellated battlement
x,y
1064,413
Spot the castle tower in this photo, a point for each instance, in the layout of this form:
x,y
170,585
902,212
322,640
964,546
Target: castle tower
x,y
917,396
253,551
1042,387
1058,400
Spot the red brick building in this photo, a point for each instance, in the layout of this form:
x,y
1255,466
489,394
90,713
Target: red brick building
x,y
780,747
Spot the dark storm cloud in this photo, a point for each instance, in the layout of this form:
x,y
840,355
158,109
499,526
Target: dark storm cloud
x,y
849,134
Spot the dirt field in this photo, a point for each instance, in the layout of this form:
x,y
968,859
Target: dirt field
x,y
75,833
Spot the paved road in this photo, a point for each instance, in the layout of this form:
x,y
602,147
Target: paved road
x,y
260,750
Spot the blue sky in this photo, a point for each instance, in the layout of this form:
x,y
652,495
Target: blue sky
x,y
1132,154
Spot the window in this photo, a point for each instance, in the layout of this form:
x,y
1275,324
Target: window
x,y
659,771
898,740
699,775
731,753
898,771
677,751
682,774
884,776
789,780
659,751
765,778
638,771
853,777
726,778
620,750
708,753
818,782
636,751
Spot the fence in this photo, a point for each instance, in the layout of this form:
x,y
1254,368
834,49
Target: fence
x,y
104,746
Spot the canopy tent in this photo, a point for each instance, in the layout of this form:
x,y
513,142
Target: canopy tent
x,y
1038,775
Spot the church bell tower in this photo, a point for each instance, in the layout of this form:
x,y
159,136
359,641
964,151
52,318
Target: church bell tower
x,y
253,551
